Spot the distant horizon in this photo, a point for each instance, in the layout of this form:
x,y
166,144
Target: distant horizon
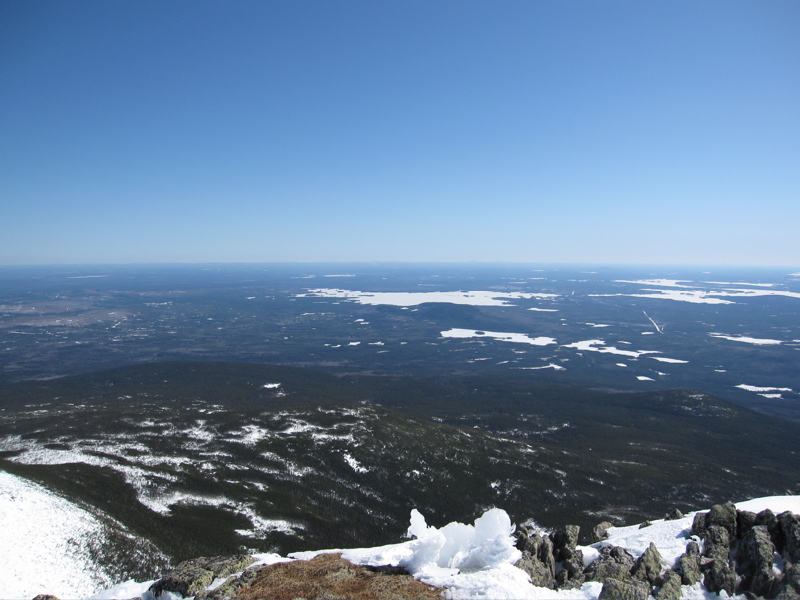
x,y
410,263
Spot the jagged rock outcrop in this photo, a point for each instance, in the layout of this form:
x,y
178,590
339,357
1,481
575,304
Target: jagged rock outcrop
x,y
615,589
754,560
670,587
538,559
718,543
648,566
789,536
192,577
719,576
688,565
613,563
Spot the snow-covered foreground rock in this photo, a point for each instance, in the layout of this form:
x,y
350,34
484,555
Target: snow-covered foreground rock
x,y
477,561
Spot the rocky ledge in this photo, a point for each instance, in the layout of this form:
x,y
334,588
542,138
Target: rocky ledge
x,y
728,549
739,551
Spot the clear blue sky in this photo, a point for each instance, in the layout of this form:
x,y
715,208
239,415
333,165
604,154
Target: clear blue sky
x,y
535,131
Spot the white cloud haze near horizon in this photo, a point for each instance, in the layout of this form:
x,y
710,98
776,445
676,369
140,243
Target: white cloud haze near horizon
x,y
538,132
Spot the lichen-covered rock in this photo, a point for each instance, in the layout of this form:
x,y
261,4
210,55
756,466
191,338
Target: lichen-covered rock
x,y
718,543
699,524
689,569
790,536
230,588
754,561
600,531
615,589
767,518
670,587
613,563
788,588
673,515
723,515
564,542
537,559
329,576
648,566
720,576
192,577
745,520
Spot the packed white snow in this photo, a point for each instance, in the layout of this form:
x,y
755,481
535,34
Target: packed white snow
x,y
478,298
517,338
477,561
46,543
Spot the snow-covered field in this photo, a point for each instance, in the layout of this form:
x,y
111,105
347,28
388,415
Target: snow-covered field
x,y
471,561
45,543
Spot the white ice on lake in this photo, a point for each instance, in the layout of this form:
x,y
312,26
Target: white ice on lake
x,y
753,388
746,339
669,360
406,299
517,338
599,346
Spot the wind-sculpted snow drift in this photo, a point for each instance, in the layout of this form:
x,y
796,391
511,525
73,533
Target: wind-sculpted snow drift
x,y
678,557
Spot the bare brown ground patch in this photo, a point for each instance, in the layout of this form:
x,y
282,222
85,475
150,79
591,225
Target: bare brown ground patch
x,y
329,577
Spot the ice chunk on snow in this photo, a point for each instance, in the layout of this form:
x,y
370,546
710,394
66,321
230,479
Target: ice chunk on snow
x,y
460,547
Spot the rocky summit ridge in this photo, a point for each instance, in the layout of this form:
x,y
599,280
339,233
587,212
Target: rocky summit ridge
x,y
739,552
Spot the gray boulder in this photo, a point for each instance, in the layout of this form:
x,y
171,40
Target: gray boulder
x,y
790,536
723,515
600,531
648,566
767,518
613,563
720,576
788,588
670,587
699,524
689,569
745,520
614,589
718,543
673,515
754,561
192,577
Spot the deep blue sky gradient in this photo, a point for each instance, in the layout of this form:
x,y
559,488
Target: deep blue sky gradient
x,y
546,131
